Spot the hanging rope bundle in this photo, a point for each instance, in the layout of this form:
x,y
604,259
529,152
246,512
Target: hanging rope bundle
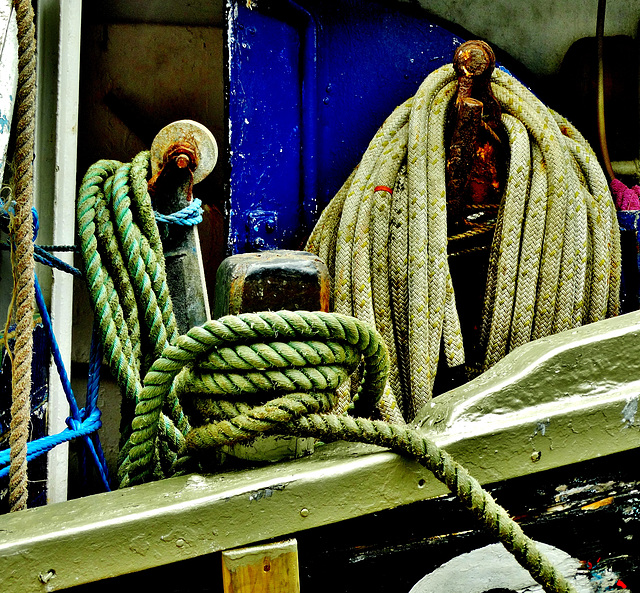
x,y
124,268
555,257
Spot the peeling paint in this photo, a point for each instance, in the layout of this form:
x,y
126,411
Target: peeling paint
x,y
139,545
196,482
317,114
598,504
629,412
541,426
565,493
266,492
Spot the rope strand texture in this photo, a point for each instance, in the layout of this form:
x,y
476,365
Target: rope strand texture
x,y
555,260
292,361
124,268
22,257
276,373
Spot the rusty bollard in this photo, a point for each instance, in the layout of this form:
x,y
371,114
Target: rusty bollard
x,y
473,170
182,154
271,281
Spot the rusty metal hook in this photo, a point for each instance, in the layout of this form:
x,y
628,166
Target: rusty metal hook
x,y
472,162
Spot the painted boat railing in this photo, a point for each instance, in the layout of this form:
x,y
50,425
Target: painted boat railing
x,y
551,403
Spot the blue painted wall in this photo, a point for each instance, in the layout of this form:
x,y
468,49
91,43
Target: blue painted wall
x,y
308,86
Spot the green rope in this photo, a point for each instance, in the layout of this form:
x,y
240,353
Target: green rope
x,y
277,373
124,268
241,361
289,365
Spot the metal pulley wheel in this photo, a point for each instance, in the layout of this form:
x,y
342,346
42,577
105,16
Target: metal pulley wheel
x,y
191,134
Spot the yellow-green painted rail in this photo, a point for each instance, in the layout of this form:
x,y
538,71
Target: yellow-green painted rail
x,y
554,402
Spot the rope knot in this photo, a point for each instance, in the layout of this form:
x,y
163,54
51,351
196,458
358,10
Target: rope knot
x,y
73,423
190,215
277,368
85,418
241,376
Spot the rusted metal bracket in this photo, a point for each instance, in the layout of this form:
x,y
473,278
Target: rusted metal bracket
x,y
473,160
182,154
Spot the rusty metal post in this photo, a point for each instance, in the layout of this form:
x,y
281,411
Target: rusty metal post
x,y
475,171
473,167
271,281
182,154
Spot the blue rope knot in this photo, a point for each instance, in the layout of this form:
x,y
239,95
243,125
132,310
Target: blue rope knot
x,y
73,424
188,216
7,210
86,419
82,423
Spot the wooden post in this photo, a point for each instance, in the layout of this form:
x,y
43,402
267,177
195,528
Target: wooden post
x,y
269,568
271,281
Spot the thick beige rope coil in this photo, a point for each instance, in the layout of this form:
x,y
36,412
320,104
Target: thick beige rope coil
x,y
555,257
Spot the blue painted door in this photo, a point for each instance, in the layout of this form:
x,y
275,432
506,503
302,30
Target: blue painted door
x,y
308,86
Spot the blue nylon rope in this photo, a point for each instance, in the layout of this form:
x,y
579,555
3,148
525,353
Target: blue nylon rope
x,y
188,216
82,423
45,444
93,389
44,257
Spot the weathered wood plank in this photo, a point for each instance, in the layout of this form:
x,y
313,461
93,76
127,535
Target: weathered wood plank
x,y
269,568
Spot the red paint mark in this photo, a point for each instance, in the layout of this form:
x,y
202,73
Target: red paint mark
x,y
383,188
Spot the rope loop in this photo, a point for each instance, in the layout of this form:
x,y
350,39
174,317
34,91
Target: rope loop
x,y
554,261
124,269
190,215
286,363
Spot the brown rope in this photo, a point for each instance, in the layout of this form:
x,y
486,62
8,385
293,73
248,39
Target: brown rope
x,y
22,257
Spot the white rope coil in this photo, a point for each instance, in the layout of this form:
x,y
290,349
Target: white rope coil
x,y
555,257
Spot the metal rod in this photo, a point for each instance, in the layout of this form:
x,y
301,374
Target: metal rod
x,y
602,134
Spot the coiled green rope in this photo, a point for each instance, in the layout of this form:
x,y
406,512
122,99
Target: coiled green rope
x,y
277,373
290,364
124,269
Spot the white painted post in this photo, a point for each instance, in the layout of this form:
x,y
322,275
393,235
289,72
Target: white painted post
x,y
58,28
8,84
